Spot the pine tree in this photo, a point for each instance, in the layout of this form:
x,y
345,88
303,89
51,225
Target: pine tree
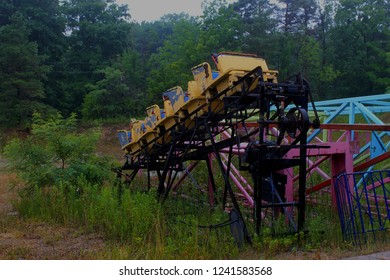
x,y
22,73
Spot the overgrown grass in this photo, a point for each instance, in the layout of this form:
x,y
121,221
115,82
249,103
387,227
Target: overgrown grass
x,y
71,189
138,226
138,222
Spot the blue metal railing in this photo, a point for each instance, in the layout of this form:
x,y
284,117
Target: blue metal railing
x,y
367,106
363,200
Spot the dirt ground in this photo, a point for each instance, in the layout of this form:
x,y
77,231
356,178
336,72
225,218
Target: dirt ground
x,y
36,241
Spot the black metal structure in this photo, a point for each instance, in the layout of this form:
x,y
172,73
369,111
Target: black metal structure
x,y
277,105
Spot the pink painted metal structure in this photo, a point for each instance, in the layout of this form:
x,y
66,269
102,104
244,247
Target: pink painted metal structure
x,y
336,153
337,148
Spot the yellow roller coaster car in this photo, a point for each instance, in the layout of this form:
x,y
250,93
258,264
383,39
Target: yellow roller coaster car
x,y
232,67
150,134
133,147
204,93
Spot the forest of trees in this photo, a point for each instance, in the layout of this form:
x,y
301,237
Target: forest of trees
x,y
88,57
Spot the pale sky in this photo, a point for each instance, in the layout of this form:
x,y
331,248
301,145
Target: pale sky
x,y
150,10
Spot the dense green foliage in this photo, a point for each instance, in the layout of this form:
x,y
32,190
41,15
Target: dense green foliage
x,y
66,183
88,56
56,154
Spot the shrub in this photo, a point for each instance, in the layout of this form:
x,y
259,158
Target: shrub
x,y
56,154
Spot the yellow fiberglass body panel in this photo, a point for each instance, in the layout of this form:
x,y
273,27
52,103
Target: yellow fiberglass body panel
x,y
153,117
168,108
233,66
136,132
239,62
170,118
176,97
203,76
195,101
148,139
151,121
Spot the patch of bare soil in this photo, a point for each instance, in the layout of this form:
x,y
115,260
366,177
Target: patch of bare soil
x,y
109,143
36,241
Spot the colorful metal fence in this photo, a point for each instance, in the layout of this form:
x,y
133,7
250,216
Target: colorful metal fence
x,y
363,200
